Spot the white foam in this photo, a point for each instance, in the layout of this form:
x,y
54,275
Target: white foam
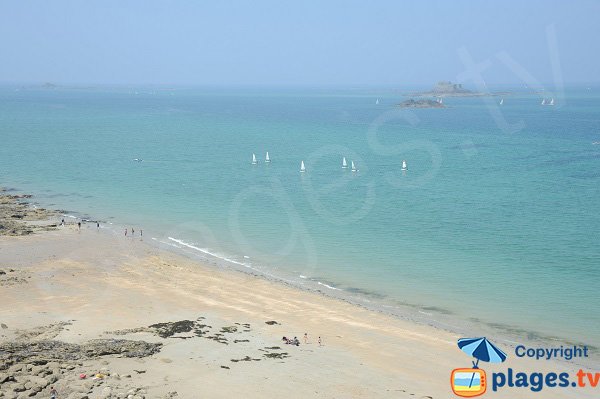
x,y
328,286
207,252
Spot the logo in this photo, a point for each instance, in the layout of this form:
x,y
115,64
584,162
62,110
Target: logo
x,y
470,382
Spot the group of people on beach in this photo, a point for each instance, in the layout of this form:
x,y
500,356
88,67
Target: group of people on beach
x,y
296,342
133,232
63,223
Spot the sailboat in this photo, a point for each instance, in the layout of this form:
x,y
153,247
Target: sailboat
x,y
501,101
354,167
404,167
344,163
253,159
544,101
302,168
551,102
267,159
440,101
377,102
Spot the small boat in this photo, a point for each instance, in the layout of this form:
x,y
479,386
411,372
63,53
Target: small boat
x,y
137,160
354,167
254,159
501,101
377,102
404,167
344,163
544,101
302,168
267,159
551,102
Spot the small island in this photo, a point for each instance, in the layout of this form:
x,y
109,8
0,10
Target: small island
x,y
412,103
449,89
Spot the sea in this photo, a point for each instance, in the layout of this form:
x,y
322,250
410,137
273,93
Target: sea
x,y
492,229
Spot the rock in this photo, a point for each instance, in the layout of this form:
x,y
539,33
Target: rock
x,y
4,378
39,381
18,387
15,368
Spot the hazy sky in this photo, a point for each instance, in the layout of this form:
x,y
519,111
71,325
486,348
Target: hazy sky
x,y
296,42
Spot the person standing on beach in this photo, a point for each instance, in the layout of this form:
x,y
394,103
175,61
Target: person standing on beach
x,y
79,225
132,232
306,338
320,341
53,393
62,222
98,225
125,232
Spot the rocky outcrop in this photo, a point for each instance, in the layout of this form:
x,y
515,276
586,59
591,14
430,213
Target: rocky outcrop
x,y
18,217
421,104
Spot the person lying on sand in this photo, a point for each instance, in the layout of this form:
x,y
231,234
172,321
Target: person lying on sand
x,y
291,341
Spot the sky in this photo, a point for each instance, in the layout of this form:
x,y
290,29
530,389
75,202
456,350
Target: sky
x,y
288,43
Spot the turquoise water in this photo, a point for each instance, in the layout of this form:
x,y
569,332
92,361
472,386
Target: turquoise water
x,y
489,223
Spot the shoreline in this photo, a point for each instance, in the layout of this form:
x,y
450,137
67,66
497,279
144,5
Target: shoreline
x,y
438,318
77,287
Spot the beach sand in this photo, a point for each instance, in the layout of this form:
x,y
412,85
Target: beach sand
x,y
76,286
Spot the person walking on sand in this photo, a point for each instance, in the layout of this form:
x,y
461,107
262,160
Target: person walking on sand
x,y
98,225
62,222
79,225
320,341
125,232
53,393
132,232
306,338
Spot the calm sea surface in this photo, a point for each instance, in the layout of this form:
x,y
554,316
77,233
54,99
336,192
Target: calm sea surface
x,y
495,222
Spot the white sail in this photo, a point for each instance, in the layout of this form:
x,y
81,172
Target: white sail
x,y
544,101
302,168
253,159
353,167
267,159
552,102
377,102
501,101
344,163
404,165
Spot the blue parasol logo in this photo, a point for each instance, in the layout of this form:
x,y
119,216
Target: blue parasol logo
x,y
481,349
469,382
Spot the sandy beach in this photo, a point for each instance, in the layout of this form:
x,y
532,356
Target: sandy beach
x,y
141,322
